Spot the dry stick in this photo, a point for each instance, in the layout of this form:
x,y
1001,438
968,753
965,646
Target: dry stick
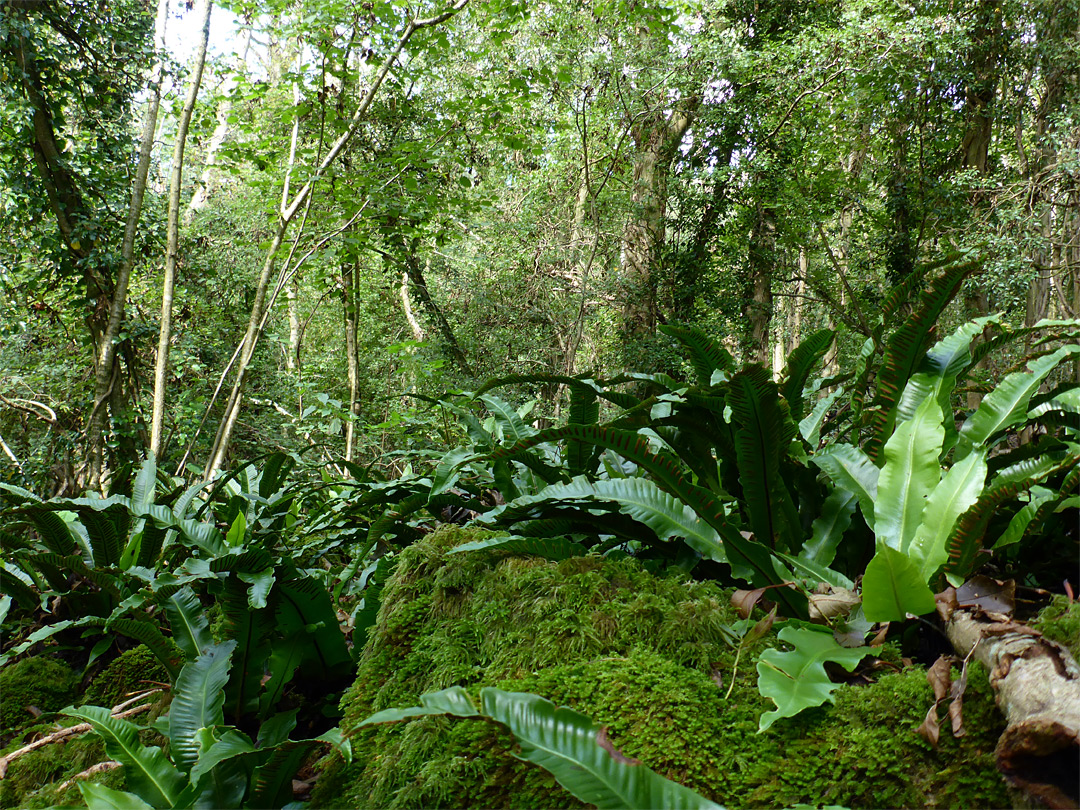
x,y
101,767
119,712
232,410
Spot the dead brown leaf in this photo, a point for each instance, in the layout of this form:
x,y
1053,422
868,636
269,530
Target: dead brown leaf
x,y
939,676
837,602
744,601
956,706
991,595
930,730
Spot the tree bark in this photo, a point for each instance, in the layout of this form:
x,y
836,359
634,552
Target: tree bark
x,y
1036,683
106,372
256,322
758,308
349,278
172,237
657,139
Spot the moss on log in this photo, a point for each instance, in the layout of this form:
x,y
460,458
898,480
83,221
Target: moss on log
x,y
645,656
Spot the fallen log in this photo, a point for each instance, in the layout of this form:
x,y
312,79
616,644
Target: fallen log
x,y
1036,684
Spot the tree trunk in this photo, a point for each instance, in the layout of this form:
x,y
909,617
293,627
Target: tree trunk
x,y
349,278
205,183
656,138
107,372
172,237
256,322
975,146
758,308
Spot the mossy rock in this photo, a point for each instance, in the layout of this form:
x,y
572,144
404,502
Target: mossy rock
x,y
43,683
134,670
640,654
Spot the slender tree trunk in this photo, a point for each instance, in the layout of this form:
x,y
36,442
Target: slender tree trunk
x,y
106,373
172,235
975,146
204,185
349,277
256,322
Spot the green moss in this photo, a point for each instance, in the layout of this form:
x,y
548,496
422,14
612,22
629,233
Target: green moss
x,y
41,682
33,779
1060,621
135,670
638,653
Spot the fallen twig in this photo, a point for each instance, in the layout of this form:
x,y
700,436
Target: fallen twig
x,y
119,712
101,767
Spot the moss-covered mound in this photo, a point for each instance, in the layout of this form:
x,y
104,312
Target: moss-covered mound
x,y
643,655
32,687
43,777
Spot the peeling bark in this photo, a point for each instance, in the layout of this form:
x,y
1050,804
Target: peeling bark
x,y
1037,685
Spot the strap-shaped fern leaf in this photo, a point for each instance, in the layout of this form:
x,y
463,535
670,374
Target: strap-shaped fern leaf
x,y
251,630
706,355
18,590
906,349
802,362
197,702
966,539
584,410
190,629
147,633
762,437
567,744
147,770
303,607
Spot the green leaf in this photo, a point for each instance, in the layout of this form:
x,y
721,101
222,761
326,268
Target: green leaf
x,y
190,629
455,701
893,586
235,537
829,527
810,427
230,744
261,582
1018,526
147,771
565,743
99,797
198,697
850,468
550,548
910,473
959,489
639,498
513,428
144,486
906,348
802,362
797,680
763,434
250,629
304,608
1007,404
706,355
